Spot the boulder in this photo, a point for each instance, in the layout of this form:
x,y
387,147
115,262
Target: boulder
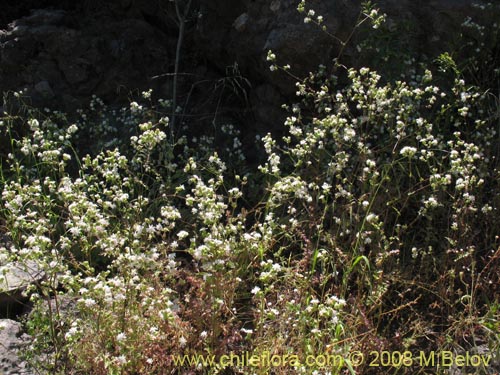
x,y
15,278
12,342
62,60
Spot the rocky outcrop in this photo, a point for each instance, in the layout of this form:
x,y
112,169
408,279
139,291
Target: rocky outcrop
x,y
63,55
15,279
246,31
57,58
12,342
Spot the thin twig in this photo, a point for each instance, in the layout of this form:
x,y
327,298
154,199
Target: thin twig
x,y
182,24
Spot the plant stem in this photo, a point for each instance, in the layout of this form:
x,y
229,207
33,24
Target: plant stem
x,y
180,39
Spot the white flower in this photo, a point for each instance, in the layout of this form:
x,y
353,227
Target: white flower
x,y
121,360
135,107
431,202
255,290
71,332
147,94
182,342
349,134
89,302
408,151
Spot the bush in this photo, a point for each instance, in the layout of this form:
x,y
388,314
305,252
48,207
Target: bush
x,y
377,231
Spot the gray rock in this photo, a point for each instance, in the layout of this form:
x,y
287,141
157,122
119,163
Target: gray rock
x,y
15,279
80,57
264,98
240,23
62,307
12,342
275,5
73,72
44,89
45,17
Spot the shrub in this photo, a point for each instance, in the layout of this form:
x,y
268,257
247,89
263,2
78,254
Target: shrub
x,y
376,231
